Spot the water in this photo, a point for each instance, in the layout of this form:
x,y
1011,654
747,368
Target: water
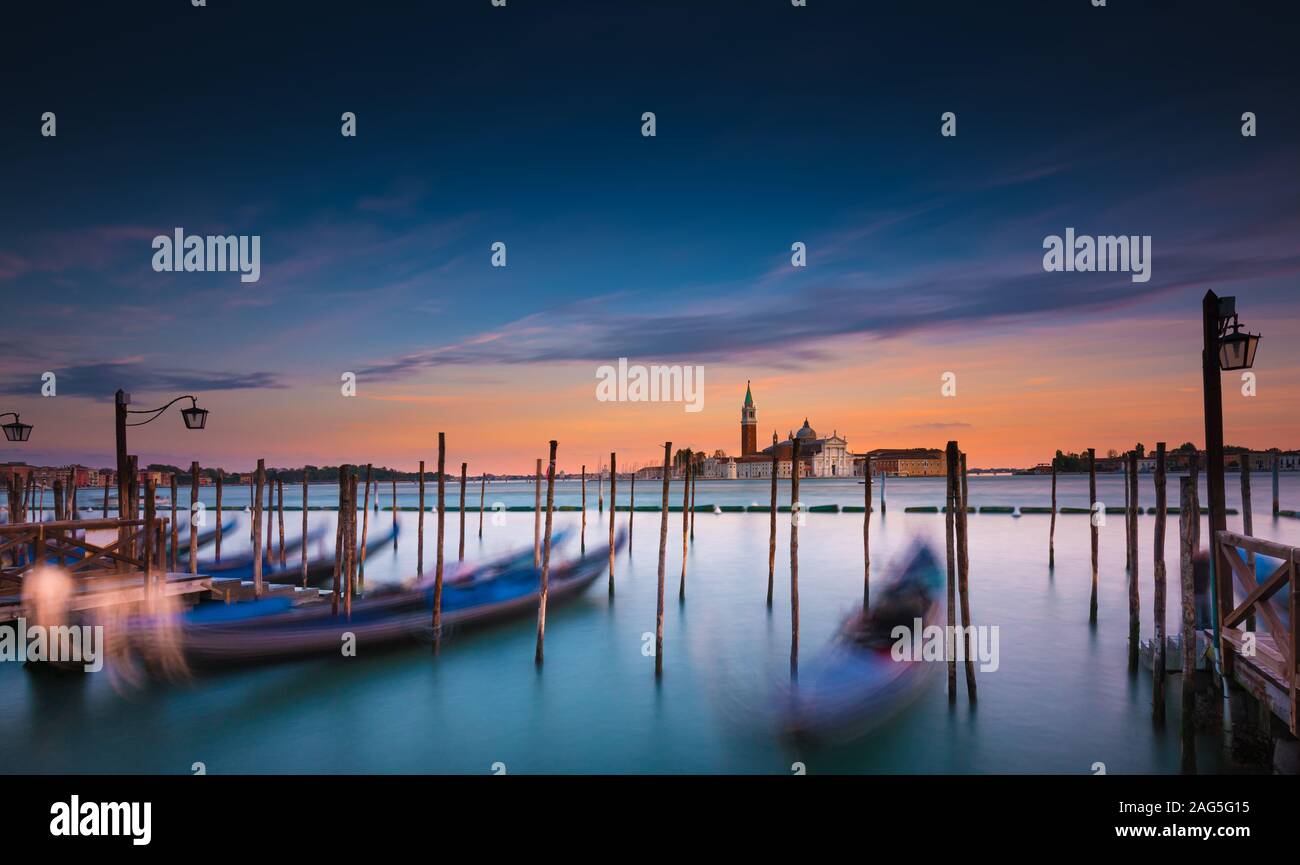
x,y
1062,700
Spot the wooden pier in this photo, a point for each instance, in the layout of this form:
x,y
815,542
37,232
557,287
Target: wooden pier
x,y
126,571
1263,661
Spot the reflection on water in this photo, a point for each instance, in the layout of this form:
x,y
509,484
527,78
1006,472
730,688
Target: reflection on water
x,y
1061,700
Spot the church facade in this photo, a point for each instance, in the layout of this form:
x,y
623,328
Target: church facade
x,y
819,456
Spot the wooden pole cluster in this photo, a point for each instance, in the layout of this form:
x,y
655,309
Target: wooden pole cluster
x,y
442,525
1051,533
1134,604
546,559
419,531
771,537
258,480
1092,521
613,509
795,513
1189,519
686,519
663,552
866,536
1158,600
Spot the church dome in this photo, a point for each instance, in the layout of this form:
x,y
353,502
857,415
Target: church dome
x,y
805,431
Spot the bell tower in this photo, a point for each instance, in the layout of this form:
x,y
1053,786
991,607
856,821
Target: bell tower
x,y
748,425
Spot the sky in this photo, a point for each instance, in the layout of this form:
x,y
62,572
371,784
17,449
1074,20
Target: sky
x,y
523,125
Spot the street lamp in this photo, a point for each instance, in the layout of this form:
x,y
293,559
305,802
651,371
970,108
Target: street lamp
x,y
16,430
1236,349
1224,348
194,417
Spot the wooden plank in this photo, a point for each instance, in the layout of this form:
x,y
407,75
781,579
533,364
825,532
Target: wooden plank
x,y
1261,593
1258,545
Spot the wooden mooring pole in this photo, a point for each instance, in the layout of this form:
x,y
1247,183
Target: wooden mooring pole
x,y
482,499
149,536
1134,603
537,515
464,467
176,534
1276,458
694,479
866,538
1158,599
583,533
442,522
546,558
950,536
259,478
350,546
106,481
663,552
631,509
1247,523
1051,532
1189,518
365,525
686,518
279,506
613,509
1093,516
194,528
771,536
796,511
217,548
419,531
338,540
963,580
303,545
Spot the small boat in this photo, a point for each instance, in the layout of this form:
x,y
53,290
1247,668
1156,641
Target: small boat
x,y
861,680
380,621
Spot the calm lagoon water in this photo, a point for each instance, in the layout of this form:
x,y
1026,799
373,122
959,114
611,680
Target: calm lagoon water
x,y
1062,699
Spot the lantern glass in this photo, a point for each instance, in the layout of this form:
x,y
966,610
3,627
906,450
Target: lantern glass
x,y
195,417
17,432
1237,351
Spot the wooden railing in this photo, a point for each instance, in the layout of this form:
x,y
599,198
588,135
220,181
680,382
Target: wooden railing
x,y
24,546
1274,651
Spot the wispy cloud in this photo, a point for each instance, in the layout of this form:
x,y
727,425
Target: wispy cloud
x,y
101,380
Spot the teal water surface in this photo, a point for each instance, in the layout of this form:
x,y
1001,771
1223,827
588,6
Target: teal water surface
x,y
1061,700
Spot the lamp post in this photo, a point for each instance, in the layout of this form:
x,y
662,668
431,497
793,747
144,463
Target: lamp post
x,y
16,430
1222,351
194,417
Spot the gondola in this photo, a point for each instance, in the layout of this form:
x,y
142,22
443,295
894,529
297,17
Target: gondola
x,y
384,620
861,680
241,565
